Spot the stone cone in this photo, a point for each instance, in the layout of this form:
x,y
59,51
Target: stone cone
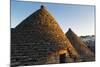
x,y
39,40
85,53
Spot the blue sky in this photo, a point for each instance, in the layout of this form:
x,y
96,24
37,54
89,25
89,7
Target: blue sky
x,y
80,18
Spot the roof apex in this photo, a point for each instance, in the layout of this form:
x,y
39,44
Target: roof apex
x,y
42,7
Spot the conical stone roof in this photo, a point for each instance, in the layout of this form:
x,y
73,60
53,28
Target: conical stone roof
x,y
37,36
40,27
85,53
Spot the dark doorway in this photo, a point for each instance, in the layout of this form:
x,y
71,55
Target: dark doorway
x,y
63,58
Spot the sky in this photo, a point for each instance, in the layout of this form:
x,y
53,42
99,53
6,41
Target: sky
x,y
80,18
